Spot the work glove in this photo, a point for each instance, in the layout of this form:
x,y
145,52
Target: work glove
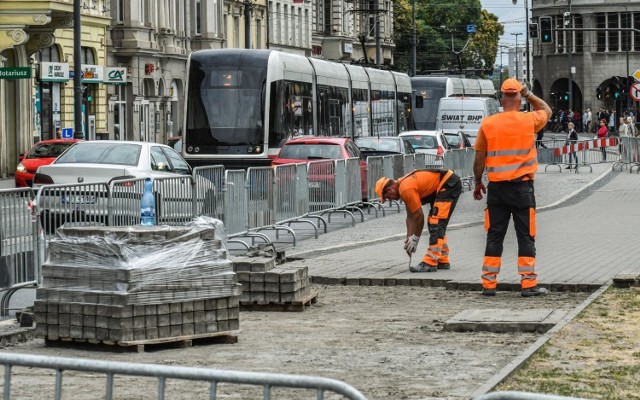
x,y
479,190
411,244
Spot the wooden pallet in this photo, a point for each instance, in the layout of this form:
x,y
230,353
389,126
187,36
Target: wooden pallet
x,y
140,346
295,306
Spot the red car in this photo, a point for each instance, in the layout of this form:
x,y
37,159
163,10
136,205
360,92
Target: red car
x,y
42,153
311,148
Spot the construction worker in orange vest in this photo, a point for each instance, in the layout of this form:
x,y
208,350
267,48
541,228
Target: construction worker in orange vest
x,y
505,146
441,189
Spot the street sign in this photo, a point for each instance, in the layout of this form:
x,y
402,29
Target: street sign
x,y
67,133
636,75
634,91
15,73
471,29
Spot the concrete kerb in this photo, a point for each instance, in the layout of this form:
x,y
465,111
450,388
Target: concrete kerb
x,y
354,245
518,362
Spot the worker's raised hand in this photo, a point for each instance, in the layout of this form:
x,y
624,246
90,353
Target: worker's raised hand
x,y
411,244
479,190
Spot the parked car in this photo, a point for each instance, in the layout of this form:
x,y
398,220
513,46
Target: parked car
x,y
429,142
373,145
458,140
104,161
312,148
42,153
175,142
464,114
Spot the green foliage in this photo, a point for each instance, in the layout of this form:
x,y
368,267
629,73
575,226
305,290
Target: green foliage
x,y
441,29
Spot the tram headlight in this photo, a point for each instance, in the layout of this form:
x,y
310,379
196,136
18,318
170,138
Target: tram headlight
x,y
258,149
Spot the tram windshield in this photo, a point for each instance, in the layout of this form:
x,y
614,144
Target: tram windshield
x,y
225,106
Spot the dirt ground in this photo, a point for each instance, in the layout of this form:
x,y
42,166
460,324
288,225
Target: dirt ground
x,y
385,341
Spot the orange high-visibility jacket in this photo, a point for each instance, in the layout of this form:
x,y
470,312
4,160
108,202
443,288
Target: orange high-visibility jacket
x,y
511,150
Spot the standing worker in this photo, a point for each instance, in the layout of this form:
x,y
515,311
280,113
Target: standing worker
x,y
441,189
505,146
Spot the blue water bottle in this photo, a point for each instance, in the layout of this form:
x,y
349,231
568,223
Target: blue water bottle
x,y
148,205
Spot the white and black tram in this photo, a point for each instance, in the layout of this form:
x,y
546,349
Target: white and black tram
x,y
242,104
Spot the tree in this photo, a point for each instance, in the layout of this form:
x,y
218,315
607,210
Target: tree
x,y
484,44
441,27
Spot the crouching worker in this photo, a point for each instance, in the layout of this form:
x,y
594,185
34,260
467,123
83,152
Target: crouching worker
x,y
441,189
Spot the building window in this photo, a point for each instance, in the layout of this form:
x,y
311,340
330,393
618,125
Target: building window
x,y
236,32
371,21
613,36
560,36
258,44
635,43
198,18
87,56
601,41
625,22
327,17
120,11
578,37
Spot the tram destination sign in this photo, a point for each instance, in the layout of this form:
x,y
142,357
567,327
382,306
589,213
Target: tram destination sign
x,y
15,73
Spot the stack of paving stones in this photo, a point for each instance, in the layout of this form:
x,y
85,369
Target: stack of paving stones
x,y
263,283
125,284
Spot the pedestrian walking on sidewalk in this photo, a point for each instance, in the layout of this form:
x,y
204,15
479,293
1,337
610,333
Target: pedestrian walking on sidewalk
x,y
572,138
505,146
441,189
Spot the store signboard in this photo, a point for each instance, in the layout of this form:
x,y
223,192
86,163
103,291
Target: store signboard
x,y
92,73
54,72
115,75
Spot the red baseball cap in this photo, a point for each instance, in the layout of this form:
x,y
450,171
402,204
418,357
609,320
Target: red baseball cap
x,y
511,85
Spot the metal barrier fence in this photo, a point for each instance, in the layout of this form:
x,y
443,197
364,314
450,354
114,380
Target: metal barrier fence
x,y
629,154
587,152
162,373
20,247
235,202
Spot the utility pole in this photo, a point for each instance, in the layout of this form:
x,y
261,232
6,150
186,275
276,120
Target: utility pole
x,y
517,52
569,25
414,39
77,71
248,6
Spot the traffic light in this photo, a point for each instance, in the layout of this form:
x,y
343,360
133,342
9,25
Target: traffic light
x,y
533,30
599,93
616,86
546,30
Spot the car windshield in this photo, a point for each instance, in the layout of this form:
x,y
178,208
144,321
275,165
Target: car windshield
x,y
422,141
378,144
454,140
48,150
102,153
311,151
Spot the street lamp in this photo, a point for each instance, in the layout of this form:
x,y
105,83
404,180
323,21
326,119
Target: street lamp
x,y
516,35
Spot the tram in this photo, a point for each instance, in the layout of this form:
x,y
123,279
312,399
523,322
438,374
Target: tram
x,y
241,105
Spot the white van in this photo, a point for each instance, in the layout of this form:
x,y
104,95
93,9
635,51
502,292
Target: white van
x,y
464,114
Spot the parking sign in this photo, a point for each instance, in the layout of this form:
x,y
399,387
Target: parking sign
x,y
67,133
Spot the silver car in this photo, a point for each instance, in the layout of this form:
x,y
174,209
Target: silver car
x,y
428,142
102,182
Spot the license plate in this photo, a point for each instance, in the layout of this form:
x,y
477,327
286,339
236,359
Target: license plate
x,y
314,185
79,199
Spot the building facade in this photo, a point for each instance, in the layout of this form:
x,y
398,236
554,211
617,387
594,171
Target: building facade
x,y
134,55
602,57
37,41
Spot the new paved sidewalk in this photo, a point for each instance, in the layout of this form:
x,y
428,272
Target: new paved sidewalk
x,y
582,242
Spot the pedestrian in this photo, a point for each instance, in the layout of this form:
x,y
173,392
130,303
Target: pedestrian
x,y
441,189
589,121
603,132
504,146
585,120
612,123
577,120
623,129
572,138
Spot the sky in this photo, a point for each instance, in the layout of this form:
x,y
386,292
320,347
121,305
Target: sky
x,y
513,19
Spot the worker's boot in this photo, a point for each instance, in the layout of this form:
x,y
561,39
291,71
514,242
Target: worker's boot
x,y
423,267
534,291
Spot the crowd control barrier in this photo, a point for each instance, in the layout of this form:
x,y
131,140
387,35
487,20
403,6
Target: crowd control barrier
x,y
113,370
248,202
588,152
523,396
20,247
629,154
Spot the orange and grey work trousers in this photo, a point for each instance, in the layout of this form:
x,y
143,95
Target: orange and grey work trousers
x,y
443,202
504,200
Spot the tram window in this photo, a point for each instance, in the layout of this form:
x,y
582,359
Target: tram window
x,y
419,101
